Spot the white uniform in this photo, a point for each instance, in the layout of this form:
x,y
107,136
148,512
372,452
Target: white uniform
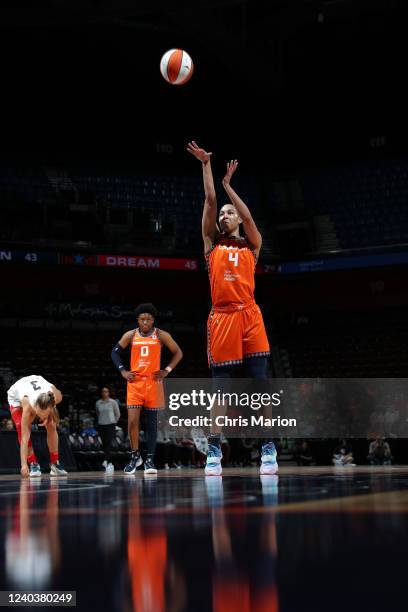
x,y
30,386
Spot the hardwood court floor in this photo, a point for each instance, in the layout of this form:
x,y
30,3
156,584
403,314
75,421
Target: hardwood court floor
x,y
308,539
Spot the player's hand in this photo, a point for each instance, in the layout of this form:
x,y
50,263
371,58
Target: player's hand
x,y
199,153
231,167
45,421
129,376
160,374
24,471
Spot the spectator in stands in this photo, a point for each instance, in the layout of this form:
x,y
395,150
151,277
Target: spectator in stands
x,y
303,453
64,426
88,428
343,455
379,452
108,414
122,408
4,410
8,425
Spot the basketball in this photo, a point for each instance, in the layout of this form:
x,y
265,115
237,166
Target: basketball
x,y
176,66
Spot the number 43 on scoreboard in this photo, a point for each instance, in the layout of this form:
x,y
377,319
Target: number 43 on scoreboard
x,y
31,257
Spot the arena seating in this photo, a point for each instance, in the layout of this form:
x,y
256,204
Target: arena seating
x,y
123,211
367,202
344,344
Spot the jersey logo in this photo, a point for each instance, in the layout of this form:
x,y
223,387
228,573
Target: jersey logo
x,y
234,258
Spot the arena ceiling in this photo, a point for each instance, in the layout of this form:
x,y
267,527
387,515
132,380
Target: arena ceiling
x,y
277,65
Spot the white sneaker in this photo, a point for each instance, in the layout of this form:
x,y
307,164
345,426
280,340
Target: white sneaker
x,y
269,465
135,461
57,470
105,464
149,467
110,468
213,465
35,470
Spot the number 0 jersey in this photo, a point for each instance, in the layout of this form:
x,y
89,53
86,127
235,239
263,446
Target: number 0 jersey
x,y
30,386
231,268
145,353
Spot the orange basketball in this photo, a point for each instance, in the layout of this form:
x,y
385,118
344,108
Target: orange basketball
x,y
176,66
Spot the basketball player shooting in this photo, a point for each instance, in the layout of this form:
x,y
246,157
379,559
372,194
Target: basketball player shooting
x,y
236,334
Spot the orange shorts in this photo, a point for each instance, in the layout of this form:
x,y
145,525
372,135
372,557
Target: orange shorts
x,y
145,392
232,336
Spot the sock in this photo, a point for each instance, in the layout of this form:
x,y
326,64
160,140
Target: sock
x,y
54,457
32,458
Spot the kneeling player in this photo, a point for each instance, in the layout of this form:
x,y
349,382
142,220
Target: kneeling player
x,y
31,397
144,380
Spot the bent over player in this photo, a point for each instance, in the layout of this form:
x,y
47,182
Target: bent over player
x,y
236,332
31,397
144,380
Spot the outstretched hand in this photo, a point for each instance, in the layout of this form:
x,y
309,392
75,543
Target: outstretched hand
x,y
231,167
200,154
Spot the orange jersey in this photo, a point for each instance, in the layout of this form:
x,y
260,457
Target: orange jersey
x,y
231,267
145,353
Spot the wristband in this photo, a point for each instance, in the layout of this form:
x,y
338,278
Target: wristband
x,y
168,368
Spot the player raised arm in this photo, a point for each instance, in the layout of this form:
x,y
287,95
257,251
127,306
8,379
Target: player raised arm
x,y
171,344
209,220
117,352
251,231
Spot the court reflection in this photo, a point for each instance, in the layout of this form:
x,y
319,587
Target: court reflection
x,y
245,553
32,543
190,543
155,581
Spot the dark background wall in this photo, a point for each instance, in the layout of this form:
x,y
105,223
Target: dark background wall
x,y
275,82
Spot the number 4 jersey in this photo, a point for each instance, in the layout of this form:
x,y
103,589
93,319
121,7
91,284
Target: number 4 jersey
x,y
235,328
231,267
29,386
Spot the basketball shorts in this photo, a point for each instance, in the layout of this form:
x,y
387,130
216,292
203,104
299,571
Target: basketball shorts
x,y
145,392
236,335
